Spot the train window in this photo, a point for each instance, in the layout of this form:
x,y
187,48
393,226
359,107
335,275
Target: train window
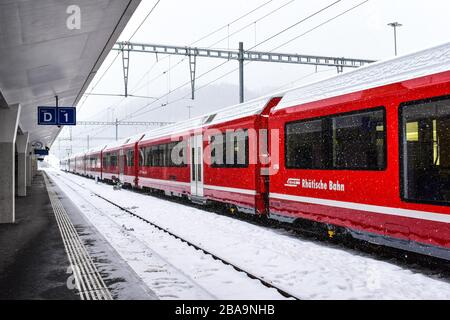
x,y
425,151
306,144
130,158
216,159
113,160
105,160
161,155
167,155
152,156
359,141
233,150
141,157
352,141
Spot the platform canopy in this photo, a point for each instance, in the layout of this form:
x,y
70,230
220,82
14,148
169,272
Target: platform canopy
x,y
43,53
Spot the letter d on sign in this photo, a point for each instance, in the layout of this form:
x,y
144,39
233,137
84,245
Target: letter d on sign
x,y
48,117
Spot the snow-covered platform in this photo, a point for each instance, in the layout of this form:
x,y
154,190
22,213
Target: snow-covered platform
x,y
34,263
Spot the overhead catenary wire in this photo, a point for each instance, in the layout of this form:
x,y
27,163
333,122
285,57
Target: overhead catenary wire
x,y
117,55
322,24
291,40
234,21
296,24
216,31
145,19
193,43
136,113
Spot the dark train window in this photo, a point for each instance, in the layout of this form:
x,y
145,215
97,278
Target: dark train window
x,y
425,151
130,158
106,160
113,160
230,150
141,157
306,144
359,141
161,155
353,141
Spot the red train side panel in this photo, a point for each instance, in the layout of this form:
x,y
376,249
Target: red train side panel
x,y
369,202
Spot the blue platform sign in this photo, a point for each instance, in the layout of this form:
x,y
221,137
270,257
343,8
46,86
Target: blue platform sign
x,y
41,152
61,116
67,116
47,116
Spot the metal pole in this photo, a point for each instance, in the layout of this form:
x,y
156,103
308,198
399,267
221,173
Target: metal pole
x,y
395,39
241,72
88,142
395,25
117,129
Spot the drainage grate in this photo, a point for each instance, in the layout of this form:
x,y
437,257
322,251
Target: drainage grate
x,y
88,280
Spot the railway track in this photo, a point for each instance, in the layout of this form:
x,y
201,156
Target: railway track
x,y
416,262
188,243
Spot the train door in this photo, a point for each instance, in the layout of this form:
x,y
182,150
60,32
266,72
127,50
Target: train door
x,y
121,164
196,145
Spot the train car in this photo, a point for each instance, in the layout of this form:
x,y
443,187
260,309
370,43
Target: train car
x,y
64,164
368,152
206,174
80,164
156,170
72,164
228,178
94,162
128,170
112,159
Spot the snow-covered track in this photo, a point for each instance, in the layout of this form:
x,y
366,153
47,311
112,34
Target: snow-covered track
x,y
195,246
251,275
266,283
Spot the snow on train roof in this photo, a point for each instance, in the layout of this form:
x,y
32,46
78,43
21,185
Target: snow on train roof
x,y
116,144
430,61
223,115
96,149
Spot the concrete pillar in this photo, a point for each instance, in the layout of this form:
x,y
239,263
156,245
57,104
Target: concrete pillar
x,y
35,166
29,155
22,145
9,122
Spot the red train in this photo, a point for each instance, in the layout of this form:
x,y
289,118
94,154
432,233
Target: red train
x,y
366,152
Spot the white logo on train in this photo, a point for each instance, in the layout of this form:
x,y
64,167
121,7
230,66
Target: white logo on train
x,y
315,184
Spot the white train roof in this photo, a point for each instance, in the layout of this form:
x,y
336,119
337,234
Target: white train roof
x,y
116,144
414,65
96,149
242,110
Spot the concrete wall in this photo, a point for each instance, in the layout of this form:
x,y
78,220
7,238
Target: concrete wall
x,y
9,122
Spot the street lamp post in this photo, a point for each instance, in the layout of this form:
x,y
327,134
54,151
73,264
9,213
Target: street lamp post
x,y
395,25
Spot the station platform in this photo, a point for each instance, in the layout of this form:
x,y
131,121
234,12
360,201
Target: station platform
x,y
53,252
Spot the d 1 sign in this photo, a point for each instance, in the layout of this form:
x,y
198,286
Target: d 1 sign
x,y
62,116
